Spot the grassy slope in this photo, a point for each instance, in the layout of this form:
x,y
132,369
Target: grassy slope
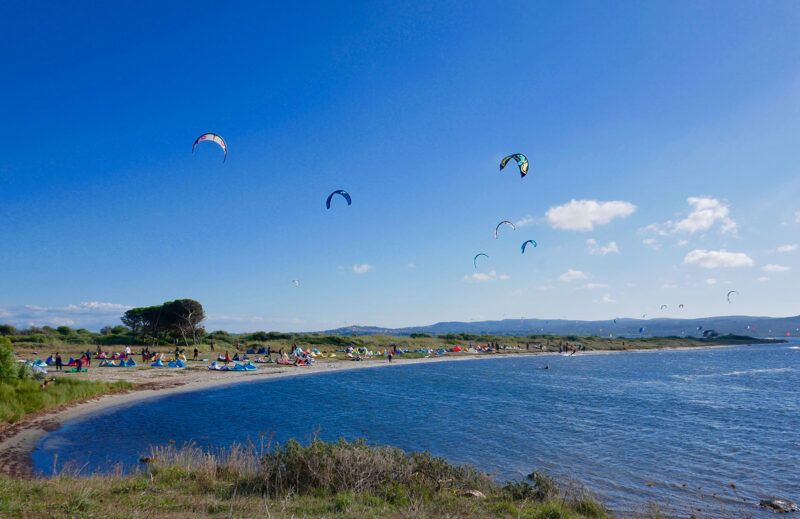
x,y
320,480
21,397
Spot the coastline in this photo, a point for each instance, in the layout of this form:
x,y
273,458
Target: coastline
x,y
18,440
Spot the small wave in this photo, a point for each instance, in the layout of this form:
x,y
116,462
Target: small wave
x,y
688,378
794,347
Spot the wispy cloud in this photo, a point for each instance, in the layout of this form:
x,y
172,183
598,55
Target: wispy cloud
x,y
718,258
601,250
652,243
705,213
797,217
491,276
595,285
572,275
711,281
362,269
787,248
411,266
87,315
606,299
583,215
528,220
772,267
669,285
763,278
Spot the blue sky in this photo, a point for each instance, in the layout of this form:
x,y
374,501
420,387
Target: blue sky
x,y
668,128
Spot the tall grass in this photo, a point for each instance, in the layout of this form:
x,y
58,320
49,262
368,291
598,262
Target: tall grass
x,y
24,396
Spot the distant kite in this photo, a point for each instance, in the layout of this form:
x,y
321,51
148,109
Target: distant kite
x,y
338,192
475,259
213,137
663,307
680,306
522,162
526,243
728,297
504,222
296,282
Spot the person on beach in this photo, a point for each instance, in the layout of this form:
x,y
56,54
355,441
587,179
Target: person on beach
x,y
88,358
227,357
127,351
212,345
99,349
196,353
390,356
59,362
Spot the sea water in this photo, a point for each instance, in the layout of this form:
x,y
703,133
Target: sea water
x,y
675,427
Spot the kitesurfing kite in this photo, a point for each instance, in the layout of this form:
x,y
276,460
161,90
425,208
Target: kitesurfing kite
x,y
522,162
296,282
663,306
680,306
504,222
526,243
728,297
475,259
338,192
213,137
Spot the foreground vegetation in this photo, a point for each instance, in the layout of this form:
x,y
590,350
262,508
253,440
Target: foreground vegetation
x,y
22,393
343,479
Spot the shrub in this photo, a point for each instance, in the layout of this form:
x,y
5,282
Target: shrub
x,y
8,371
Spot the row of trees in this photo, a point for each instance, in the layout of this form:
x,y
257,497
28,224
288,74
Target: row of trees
x,y
174,319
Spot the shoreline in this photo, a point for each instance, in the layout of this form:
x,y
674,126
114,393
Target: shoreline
x,y
18,440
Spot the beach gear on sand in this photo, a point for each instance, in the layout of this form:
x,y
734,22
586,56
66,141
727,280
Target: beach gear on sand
x,y
157,364
130,363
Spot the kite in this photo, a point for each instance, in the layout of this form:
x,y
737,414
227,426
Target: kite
x,y
506,222
338,192
522,162
728,297
213,137
475,259
526,243
663,307
296,282
680,306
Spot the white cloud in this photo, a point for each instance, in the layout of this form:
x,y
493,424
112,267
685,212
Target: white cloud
x,y
583,215
711,281
797,217
528,220
706,212
543,288
361,269
607,299
772,267
92,314
669,285
601,250
652,243
491,276
787,248
763,278
681,243
718,258
571,275
595,285
411,266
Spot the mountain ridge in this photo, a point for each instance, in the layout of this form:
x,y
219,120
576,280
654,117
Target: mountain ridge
x,y
628,327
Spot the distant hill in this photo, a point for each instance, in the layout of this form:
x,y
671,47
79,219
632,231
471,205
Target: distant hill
x,y
732,324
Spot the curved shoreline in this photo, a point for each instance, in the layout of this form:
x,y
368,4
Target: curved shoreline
x,y
19,440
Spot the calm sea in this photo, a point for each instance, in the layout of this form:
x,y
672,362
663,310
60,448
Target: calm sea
x,y
672,427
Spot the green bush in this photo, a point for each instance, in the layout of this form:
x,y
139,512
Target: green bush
x,y
8,371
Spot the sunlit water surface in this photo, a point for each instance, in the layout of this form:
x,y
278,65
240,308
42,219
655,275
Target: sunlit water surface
x,y
672,427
